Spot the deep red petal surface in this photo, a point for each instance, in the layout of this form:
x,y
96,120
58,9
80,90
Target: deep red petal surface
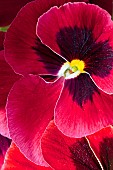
x,y
107,5
76,119
7,79
9,9
101,142
2,36
30,107
70,16
21,37
4,145
15,160
62,152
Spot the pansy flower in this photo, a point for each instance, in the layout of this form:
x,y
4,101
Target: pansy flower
x,y
67,50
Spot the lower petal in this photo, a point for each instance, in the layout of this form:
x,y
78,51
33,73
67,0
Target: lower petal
x,y
82,108
30,108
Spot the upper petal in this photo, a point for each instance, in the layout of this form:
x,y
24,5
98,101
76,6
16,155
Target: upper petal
x,y
30,107
54,27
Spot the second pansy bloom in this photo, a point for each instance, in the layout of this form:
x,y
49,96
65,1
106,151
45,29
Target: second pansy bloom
x,y
68,53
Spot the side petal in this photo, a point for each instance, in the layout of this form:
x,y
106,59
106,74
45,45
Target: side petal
x,y
53,27
82,108
62,152
15,160
30,108
101,142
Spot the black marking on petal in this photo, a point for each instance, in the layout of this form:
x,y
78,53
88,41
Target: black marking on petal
x,y
49,78
83,157
51,60
4,144
106,153
77,43
81,88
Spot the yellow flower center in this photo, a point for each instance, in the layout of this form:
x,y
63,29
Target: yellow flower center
x,y
77,65
72,69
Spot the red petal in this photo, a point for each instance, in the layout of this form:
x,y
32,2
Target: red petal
x,y
64,153
7,79
30,107
21,40
70,16
80,112
9,9
2,36
102,144
15,160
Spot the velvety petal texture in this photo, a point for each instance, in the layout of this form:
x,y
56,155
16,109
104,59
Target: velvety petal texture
x,y
4,145
82,108
15,160
7,79
30,108
23,49
62,152
9,9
